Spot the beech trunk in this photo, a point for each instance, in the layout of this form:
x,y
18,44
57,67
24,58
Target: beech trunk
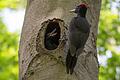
x,y
39,60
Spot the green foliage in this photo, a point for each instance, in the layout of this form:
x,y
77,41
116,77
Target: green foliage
x,y
14,4
8,54
109,72
108,40
105,4
108,28
9,44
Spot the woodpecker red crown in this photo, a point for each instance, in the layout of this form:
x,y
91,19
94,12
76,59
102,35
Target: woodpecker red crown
x,y
83,5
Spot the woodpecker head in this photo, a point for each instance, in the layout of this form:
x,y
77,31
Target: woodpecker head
x,y
80,9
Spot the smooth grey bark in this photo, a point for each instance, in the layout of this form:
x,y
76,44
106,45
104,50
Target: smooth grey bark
x,y
38,63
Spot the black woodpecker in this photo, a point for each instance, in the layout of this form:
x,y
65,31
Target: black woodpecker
x,y
79,30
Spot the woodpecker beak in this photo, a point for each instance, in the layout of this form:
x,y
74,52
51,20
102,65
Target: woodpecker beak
x,y
73,10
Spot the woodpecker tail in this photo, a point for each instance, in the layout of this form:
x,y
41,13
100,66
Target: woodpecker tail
x,y
70,63
73,64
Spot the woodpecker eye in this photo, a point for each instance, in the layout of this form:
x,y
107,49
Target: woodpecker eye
x,y
77,9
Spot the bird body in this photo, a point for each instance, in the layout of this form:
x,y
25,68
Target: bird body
x,y
79,30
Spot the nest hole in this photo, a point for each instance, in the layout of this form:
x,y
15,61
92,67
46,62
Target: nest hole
x,y
52,35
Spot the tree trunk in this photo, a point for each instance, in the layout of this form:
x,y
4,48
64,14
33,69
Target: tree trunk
x,y
39,60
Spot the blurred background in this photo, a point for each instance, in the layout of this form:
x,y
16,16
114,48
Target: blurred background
x,y
108,43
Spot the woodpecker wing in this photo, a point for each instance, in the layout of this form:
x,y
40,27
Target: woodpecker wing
x,y
79,32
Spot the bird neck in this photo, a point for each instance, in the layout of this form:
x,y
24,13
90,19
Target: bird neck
x,y
81,15
82,12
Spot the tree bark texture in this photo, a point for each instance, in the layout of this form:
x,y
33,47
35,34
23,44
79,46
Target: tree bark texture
x,y
40,62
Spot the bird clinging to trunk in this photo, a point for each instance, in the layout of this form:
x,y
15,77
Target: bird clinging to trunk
x,y
79,30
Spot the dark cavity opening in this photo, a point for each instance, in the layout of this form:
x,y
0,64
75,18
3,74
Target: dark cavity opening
x,y
52,35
